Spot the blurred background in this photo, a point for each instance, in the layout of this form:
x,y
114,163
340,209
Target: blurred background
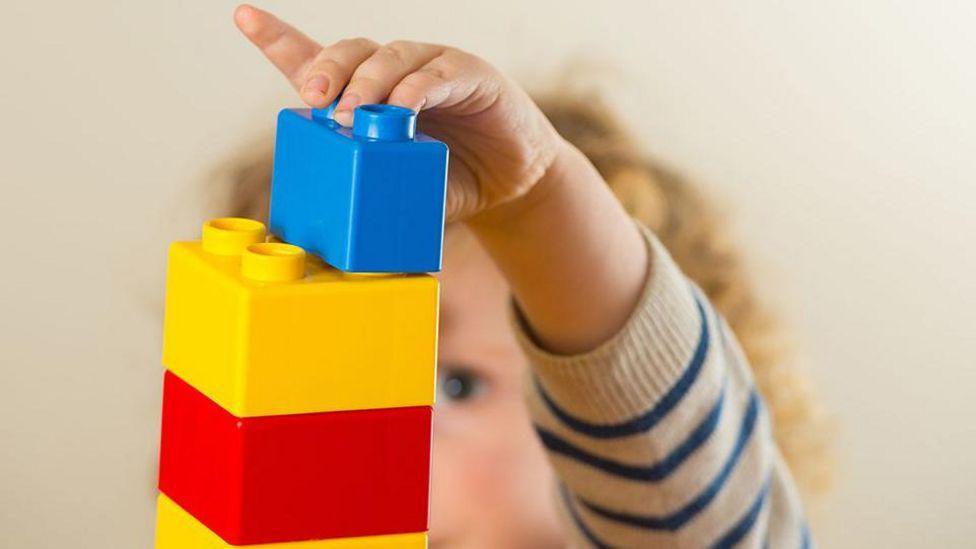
x,y
840,135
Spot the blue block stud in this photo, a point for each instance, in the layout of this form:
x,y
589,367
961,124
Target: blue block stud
x,y
366,199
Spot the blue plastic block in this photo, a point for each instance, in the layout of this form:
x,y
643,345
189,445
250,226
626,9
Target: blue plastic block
x,y
366,199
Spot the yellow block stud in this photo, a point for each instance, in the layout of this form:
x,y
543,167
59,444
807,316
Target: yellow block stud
x,y
273,262
263,329
231,235
177,529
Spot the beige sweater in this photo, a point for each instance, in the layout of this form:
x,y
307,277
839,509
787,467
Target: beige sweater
x,y
659,437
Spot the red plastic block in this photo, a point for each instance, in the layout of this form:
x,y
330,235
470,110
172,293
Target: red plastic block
x,y
294,477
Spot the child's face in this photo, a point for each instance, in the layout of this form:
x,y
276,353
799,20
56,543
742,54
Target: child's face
x,y
491,484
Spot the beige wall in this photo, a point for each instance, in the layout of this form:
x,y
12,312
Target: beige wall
x,y
842,133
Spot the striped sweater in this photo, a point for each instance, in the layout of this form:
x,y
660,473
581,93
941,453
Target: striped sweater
x,y
659,437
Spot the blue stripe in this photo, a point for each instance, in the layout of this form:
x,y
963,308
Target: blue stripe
x,y
649,419
745,524
578,521
645,473
805,537
678,519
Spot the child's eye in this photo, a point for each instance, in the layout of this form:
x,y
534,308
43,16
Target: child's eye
x,y
460,384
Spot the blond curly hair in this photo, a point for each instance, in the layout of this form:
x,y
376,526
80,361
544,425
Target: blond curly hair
x,y
694,233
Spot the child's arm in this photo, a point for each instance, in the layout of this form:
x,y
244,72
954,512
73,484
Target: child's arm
x,y
652,422
659,436
538,205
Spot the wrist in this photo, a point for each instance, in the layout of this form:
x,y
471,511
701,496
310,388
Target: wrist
x,y
563,242
512,215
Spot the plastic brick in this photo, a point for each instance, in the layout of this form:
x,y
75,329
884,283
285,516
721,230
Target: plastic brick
x,y
263,330
297,477
177,529
366,199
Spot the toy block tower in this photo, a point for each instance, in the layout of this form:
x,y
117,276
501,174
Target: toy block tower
x,y
298,387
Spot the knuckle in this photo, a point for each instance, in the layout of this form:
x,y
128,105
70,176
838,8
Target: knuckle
x,y
398,51
362,83
363,42
357,43
456,55
433,73
460,58
329,66
423,78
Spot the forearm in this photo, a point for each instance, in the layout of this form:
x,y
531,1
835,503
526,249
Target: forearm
x,y
659,437
574,259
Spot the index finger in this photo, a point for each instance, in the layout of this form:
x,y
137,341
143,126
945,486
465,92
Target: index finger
x,y
285,46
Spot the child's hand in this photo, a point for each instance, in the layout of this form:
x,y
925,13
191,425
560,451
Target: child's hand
x,y
558,246
501,143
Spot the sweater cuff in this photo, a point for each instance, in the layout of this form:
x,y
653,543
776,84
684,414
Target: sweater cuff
x,y
631,371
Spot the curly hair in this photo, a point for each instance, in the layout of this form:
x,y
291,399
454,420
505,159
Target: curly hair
x,y
692,230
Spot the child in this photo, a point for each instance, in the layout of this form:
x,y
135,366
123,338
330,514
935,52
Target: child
x,y
652,431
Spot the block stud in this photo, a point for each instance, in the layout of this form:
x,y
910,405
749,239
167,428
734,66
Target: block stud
x,y
231,235
273,262
384,123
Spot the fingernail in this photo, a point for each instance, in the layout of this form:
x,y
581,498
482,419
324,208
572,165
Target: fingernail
x,y
343,112
243,16
344,118
315,90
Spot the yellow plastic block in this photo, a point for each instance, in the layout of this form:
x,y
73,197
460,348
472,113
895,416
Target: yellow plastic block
x,y
177,529
264,330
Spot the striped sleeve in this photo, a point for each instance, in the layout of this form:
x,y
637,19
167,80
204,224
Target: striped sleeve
x,y
659,437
